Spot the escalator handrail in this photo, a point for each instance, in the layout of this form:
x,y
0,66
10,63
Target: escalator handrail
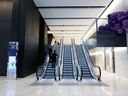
x,y
88,62
45,66
57,68
91,62
79,69
62,58
75,71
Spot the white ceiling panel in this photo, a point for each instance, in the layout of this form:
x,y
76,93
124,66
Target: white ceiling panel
x,y
69,22
67,32
70,35
68,27
71,2
65,35
56,13
66,17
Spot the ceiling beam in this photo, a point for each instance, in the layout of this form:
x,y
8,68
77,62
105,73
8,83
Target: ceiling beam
x,y
72,18
67,25
66,33
67,30
106,8
67,7
90,27
98,18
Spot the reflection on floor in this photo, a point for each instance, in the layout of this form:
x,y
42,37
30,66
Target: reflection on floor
x,y
11,67
111,85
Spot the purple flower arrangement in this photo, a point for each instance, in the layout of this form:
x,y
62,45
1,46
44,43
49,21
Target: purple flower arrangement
x,y
117,22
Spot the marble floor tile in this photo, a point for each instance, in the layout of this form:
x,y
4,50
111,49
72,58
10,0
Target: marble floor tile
x,y
110,85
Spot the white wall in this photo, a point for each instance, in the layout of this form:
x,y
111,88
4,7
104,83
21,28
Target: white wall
x,y
98,54
121,57
121,54
125,5
121,61
109,59
103,58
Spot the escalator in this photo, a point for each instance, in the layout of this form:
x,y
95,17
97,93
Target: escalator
x,y
49,74
50,71
86,74
67,63
46,71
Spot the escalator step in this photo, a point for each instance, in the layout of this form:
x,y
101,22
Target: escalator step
x,y
88,78
86,72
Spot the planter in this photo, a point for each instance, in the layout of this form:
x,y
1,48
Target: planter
x,y
111,39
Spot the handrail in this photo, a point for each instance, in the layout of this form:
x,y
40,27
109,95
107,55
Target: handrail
x,y
57,68
79,69
45,65
90,63
61,63
75,73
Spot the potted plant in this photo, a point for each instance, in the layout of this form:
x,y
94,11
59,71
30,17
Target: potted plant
x,y
113,34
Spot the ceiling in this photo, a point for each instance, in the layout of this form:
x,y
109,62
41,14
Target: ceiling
x,y
71,16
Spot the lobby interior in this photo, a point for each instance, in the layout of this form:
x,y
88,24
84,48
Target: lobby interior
x,y
32,26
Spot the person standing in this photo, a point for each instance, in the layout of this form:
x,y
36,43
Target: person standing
x,y
54,58
50,53
56,47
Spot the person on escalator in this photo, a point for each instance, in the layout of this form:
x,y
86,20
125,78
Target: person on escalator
x,y
50,53
54,58
56,47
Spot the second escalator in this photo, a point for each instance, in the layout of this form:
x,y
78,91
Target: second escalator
x,y
86,74
67,63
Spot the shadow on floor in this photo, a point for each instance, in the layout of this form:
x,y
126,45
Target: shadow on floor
x,y
96,84
68,83
42,82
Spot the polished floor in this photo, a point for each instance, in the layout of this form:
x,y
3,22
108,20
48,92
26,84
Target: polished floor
x,y
111,85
